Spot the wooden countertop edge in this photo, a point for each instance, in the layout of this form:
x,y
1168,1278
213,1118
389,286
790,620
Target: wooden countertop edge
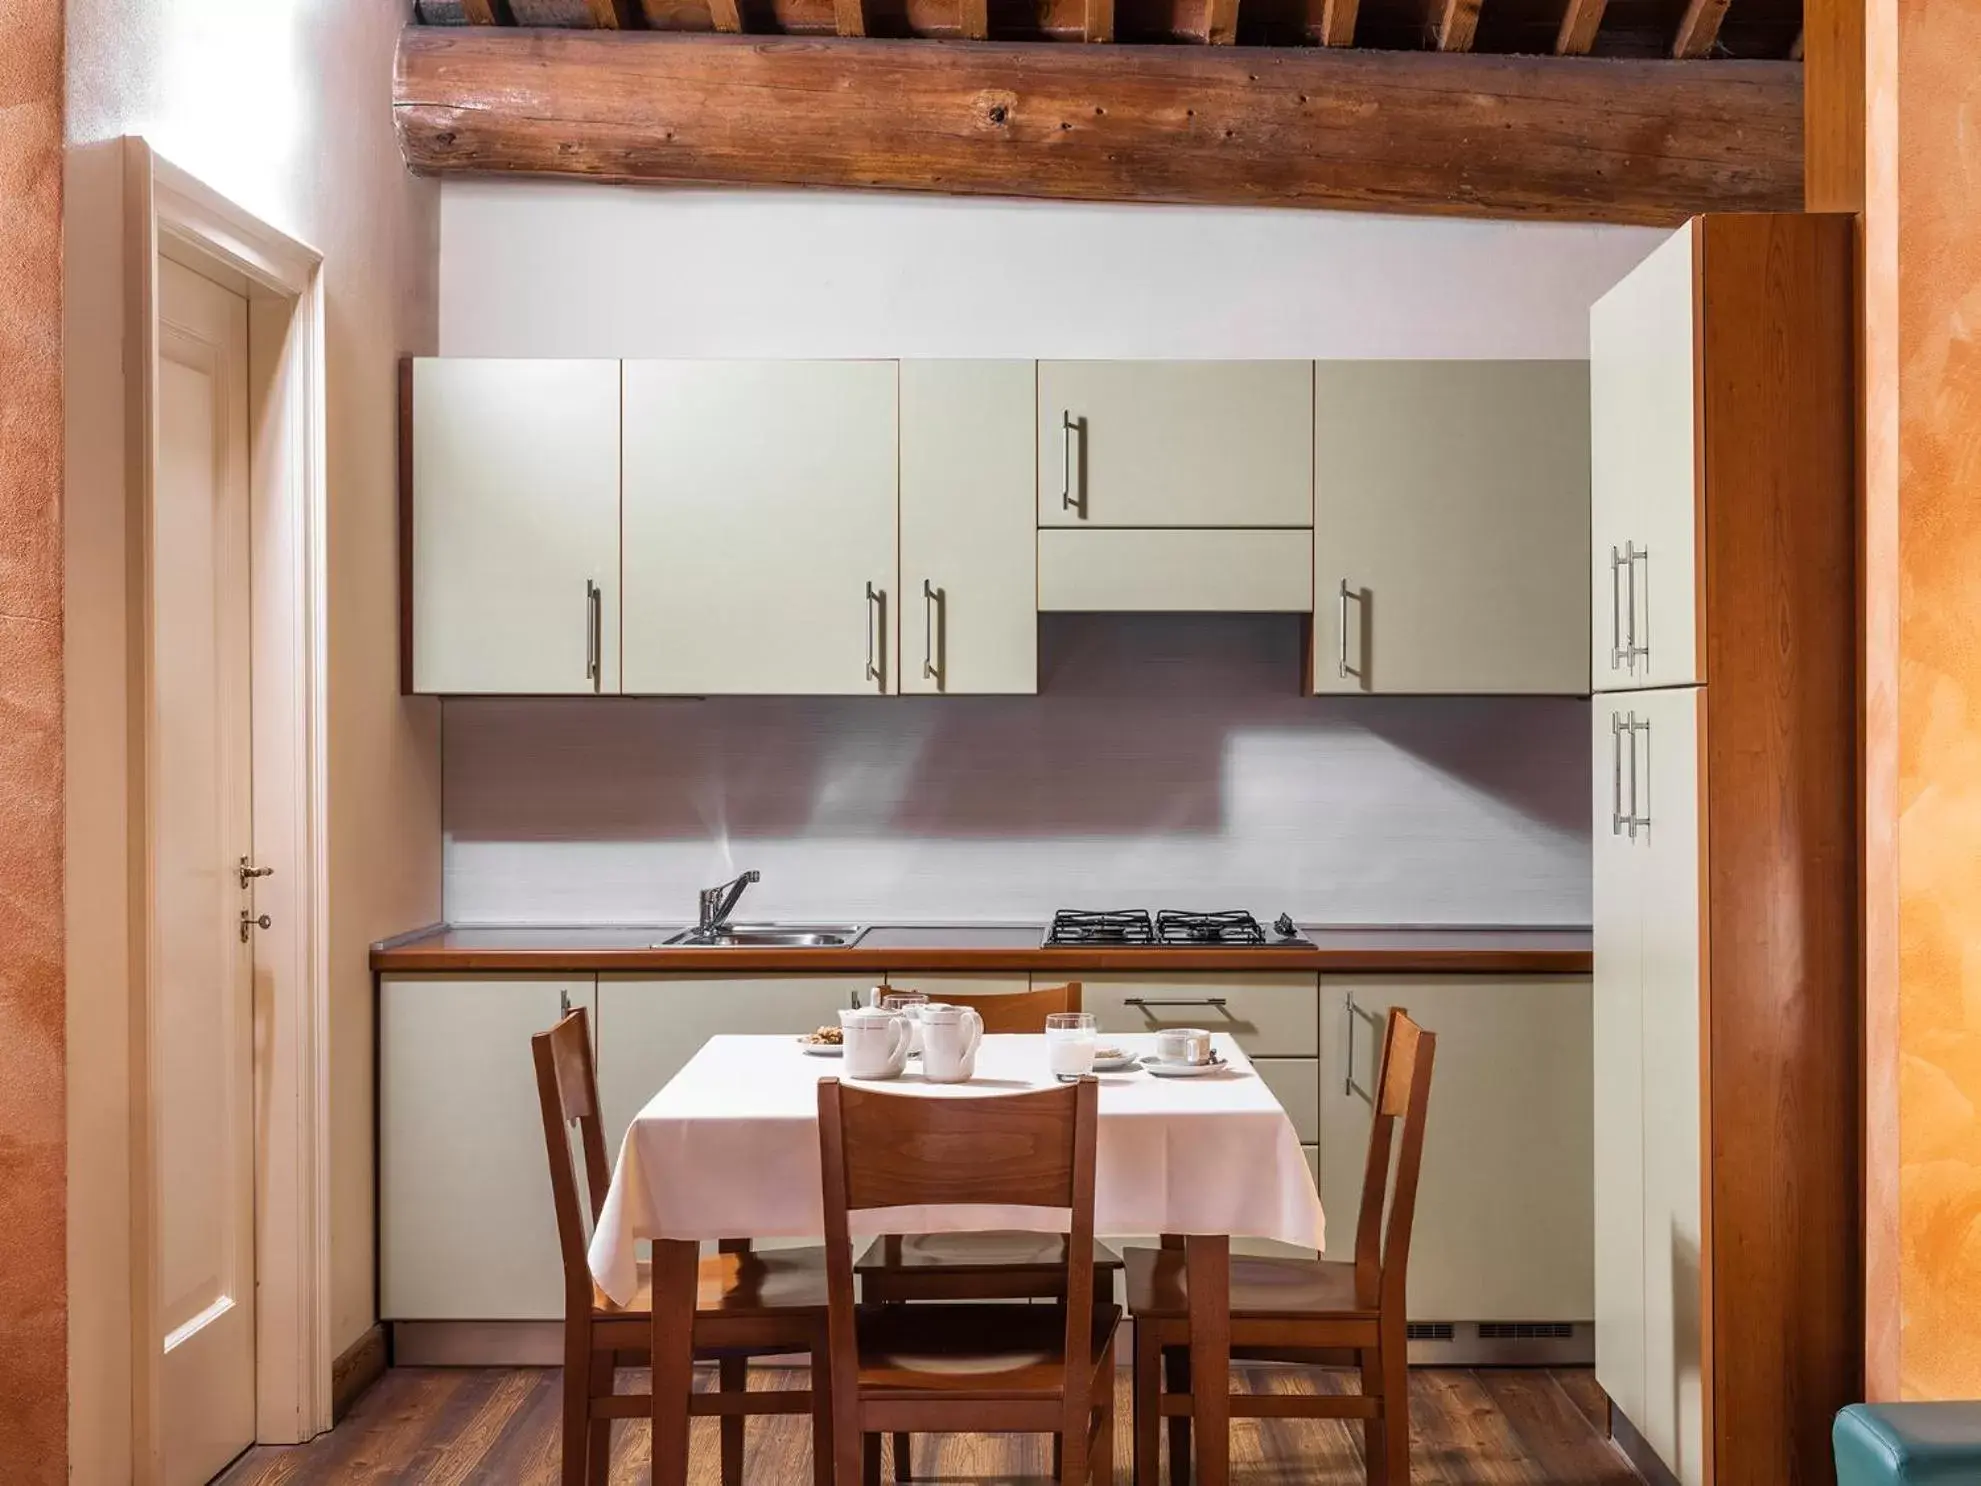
x,y
1511,960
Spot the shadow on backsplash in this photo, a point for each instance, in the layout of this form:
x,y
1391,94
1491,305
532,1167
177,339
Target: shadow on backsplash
x,y
1168,760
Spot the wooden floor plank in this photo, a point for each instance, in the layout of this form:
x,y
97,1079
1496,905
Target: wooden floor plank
x,y
444,1427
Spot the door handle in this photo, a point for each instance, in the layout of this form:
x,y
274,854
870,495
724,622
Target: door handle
x,y
1068,427
933,599
1633,725
1632,651
594,634
876,637
1616,775
1349,1088
1616,619
1343,596
249,874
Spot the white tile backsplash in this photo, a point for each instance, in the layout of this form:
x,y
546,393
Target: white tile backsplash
x,y
1167,762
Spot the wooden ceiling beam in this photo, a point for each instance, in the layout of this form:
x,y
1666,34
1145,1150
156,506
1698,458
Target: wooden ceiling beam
x,y
1541,137
1698,29
1579,24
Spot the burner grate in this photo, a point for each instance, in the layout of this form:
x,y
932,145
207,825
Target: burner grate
x,y
1232,926
1118,926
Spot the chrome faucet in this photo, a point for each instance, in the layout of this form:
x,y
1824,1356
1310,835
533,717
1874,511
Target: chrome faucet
x,y
717,903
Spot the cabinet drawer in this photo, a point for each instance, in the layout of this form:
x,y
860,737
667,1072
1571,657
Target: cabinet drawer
x,y
959,983
1268,1015
1223,571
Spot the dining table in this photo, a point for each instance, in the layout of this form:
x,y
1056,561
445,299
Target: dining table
x,y
728,1149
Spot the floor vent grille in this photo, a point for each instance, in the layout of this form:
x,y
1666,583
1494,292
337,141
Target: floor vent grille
x,y
1432,1331
1525,1331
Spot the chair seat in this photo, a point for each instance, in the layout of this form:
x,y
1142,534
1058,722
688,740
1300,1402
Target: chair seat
x,y
1908,1444
1261,1287
755,1283
974,1253
963,1351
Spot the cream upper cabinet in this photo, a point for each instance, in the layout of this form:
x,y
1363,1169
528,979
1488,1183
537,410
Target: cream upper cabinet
x,y
515,526
1451,522
1643,374
760,527
1175,443
466,1230
969,550
1503,1226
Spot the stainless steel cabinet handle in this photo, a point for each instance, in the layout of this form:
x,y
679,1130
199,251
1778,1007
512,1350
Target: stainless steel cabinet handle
x,y
933,598
1632,651
1149,1002
1616,619
1068,426
876,636
564,1003
1349,1088
1633,725
594,634
1343,596
1616,774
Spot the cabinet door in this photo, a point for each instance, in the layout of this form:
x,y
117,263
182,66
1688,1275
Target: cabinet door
x,y
515,525
1451,526
650,1026
1176,443
969,538
1667,766
1618,1037
1644,486
1503,1225
760,527
466,1229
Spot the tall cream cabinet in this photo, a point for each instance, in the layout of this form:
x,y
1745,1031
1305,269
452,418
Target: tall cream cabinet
x,y
1728,1241
513,547
1503,1230
1451,523
1175,443
1644,495
465,1230
969,550
759,525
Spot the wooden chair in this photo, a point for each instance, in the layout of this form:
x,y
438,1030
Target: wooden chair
x,y
981,1266
961,1367
747,1304
1305,1310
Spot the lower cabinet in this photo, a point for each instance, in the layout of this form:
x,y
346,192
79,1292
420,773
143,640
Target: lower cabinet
x,y
466,1228
1504,1227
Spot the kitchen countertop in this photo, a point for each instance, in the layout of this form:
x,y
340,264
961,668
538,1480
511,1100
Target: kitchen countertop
x,y
989,947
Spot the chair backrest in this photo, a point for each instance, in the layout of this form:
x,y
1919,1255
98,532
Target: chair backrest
x,y
879,1150
1403,1093
1026,1011
567,1088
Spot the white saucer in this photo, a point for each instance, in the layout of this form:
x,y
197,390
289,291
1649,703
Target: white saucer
x,y
822,1049
1116,1065
1161,1069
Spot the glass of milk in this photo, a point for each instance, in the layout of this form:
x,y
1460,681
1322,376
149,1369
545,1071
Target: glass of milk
x,y
1070,1044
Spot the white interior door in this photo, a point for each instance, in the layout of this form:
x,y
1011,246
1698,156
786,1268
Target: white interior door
x,y
760,527
200,798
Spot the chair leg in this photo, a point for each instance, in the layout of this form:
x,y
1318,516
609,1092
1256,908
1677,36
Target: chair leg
x,y
1058,1455
577,1405
1071,1467
732,1376
902,1470
1176,1366
1146,1403
821,1412
1101,1468
1396,1408
870,1459
1375,1460
598,1447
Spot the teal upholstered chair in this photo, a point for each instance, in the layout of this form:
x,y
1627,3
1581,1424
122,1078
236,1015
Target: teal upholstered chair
x,y
1908,1444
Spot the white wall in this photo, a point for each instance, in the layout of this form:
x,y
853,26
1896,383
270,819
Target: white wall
x,y
1165,765
574,269
1167,762
284,105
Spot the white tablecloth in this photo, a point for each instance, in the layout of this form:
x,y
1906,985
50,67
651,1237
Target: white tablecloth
x,y
730,1149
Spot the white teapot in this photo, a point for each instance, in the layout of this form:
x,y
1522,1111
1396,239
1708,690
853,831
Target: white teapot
x,y
950,1038
876,1042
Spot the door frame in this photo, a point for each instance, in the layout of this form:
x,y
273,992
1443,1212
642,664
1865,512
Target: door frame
x,y
171,213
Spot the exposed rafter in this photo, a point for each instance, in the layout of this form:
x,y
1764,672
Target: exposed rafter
x,y
1457,24
1699,28
1338,22
1572,138
1097,21
1220,22
1579,24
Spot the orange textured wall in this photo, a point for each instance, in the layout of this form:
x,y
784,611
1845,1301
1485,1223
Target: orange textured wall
x,y
33,1298
1937,204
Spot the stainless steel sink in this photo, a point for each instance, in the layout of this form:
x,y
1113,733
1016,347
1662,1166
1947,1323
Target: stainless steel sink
x,y
768,936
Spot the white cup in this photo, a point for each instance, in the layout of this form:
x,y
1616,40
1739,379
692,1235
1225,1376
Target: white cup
x,y
950,1037
876,1042
1184,1045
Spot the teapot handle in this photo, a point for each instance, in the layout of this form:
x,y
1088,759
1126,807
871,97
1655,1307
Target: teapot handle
x,y
904,1035
976,1030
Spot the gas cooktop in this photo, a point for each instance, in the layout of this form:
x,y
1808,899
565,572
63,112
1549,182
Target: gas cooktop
x,y
1170,928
